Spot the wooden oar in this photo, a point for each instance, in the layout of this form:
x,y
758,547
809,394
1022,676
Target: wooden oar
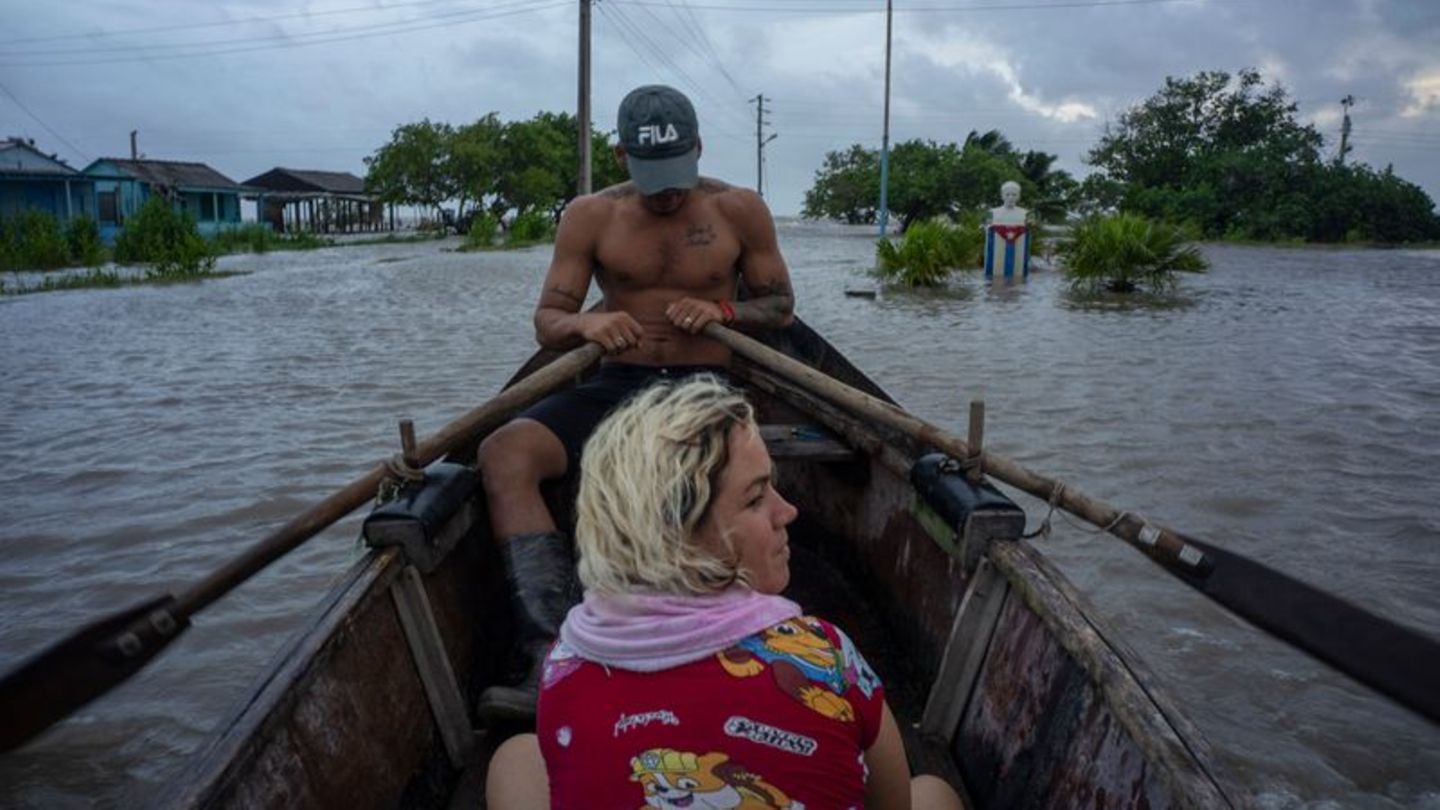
x,y
98,657
1395,660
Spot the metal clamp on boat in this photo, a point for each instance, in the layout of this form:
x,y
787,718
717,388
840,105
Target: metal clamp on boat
x,y
426,521
963,516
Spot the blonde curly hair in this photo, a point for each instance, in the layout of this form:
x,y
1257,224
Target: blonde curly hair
x,y
647,477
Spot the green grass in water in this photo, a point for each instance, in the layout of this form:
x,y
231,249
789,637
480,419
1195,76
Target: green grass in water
x,y
1124,253
930,251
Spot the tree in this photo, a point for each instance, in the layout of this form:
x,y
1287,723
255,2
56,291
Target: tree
x,y
929,179
925,181
413,168
1221,152
846,188
542,164
474,160
1227,155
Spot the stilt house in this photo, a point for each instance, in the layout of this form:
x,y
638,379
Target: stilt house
x,y
315,201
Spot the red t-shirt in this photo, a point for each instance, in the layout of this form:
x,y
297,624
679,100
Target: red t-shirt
x,y
781,719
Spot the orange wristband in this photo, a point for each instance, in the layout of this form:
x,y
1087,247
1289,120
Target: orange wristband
x,y
727,310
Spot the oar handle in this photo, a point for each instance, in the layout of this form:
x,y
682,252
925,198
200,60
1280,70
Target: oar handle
x,y
362,490
1157,542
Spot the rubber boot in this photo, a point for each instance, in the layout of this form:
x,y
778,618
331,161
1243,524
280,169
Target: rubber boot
x,y
543,587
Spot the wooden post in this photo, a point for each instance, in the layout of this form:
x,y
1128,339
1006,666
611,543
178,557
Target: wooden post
x,y
976,472
407,443
582,111
432,663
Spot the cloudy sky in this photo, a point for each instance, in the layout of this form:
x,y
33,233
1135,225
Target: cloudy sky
x,y
246,86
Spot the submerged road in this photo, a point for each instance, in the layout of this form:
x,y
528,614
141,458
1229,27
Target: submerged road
x,y
1286,405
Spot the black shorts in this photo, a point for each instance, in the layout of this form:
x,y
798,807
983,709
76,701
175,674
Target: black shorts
x,y
573,414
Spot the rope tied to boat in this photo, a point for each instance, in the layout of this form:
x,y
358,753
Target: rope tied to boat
x,y
399,474
1044,530
1046,525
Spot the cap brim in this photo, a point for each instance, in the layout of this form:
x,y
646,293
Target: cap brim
x,y
656,175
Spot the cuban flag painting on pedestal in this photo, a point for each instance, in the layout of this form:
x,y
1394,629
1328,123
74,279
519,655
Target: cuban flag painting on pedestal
x,y
1007,253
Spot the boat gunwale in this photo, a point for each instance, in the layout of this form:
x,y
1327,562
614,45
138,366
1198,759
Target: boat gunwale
x,y
1164,734
306,652
1116,671
1161,732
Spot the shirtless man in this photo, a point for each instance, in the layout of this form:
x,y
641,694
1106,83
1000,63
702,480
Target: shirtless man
x,y
668,250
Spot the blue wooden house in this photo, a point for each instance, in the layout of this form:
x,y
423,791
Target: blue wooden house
x,y
122,186
30,179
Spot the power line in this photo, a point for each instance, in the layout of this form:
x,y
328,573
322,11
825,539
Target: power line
x,y
45,126
253,39
912,9
219,23
284,41
694,22
691,42
623,22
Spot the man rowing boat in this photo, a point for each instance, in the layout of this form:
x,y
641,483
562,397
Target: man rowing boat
x,y
668,250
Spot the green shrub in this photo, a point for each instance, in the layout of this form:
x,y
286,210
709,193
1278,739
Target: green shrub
x,y
929,251
530,227
39,241
255,237
1124,252
483,227
82,239
166,238
9,259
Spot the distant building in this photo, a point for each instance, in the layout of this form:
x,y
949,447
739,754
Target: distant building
x,y
30,179
122,186
315,201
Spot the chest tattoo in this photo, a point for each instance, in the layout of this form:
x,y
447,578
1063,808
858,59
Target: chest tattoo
x,y
699,235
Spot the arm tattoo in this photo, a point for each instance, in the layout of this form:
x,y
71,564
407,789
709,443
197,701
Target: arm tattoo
x,y
769,306
559,297
779,288
561,291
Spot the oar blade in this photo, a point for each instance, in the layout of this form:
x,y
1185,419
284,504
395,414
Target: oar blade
x,y
1395,660
82,667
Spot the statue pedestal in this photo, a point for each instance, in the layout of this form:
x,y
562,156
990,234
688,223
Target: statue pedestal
x,y
1007,252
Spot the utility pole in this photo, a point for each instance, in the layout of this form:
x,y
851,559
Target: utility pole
x,y
1346,103
885,137
760,141
582,108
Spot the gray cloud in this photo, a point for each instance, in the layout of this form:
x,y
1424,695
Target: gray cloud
x,y
1047,79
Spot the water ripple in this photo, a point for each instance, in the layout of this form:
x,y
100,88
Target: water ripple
x,y
1286,406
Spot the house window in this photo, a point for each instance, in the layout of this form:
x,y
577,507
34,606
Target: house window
x,y
207,207
109,206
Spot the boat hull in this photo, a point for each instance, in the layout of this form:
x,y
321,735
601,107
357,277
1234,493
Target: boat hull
x,y
1005,681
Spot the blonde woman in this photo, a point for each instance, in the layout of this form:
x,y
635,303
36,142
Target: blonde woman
x,y
684,679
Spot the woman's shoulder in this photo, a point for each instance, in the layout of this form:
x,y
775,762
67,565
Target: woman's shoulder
x,y
818,649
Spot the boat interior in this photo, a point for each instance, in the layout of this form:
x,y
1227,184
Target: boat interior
x,y
1003,680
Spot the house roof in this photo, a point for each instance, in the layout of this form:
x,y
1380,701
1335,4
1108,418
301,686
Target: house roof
x,y
18,157
281,179
173,173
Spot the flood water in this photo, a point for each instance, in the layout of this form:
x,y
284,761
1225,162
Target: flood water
x,y
1286,406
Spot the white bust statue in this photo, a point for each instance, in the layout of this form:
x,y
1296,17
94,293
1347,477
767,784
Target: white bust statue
x,y
1008,213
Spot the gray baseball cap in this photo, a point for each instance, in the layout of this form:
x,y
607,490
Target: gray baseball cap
x,y
661,138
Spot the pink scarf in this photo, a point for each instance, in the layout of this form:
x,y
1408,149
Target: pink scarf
x,y
650,632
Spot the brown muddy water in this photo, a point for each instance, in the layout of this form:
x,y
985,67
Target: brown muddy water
x,y
1286,406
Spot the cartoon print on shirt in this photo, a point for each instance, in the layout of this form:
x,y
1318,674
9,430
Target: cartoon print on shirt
x,y
558,664
804,662
857,669
680,779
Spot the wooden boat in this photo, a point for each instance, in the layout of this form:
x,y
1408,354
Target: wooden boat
x,y
1005,681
